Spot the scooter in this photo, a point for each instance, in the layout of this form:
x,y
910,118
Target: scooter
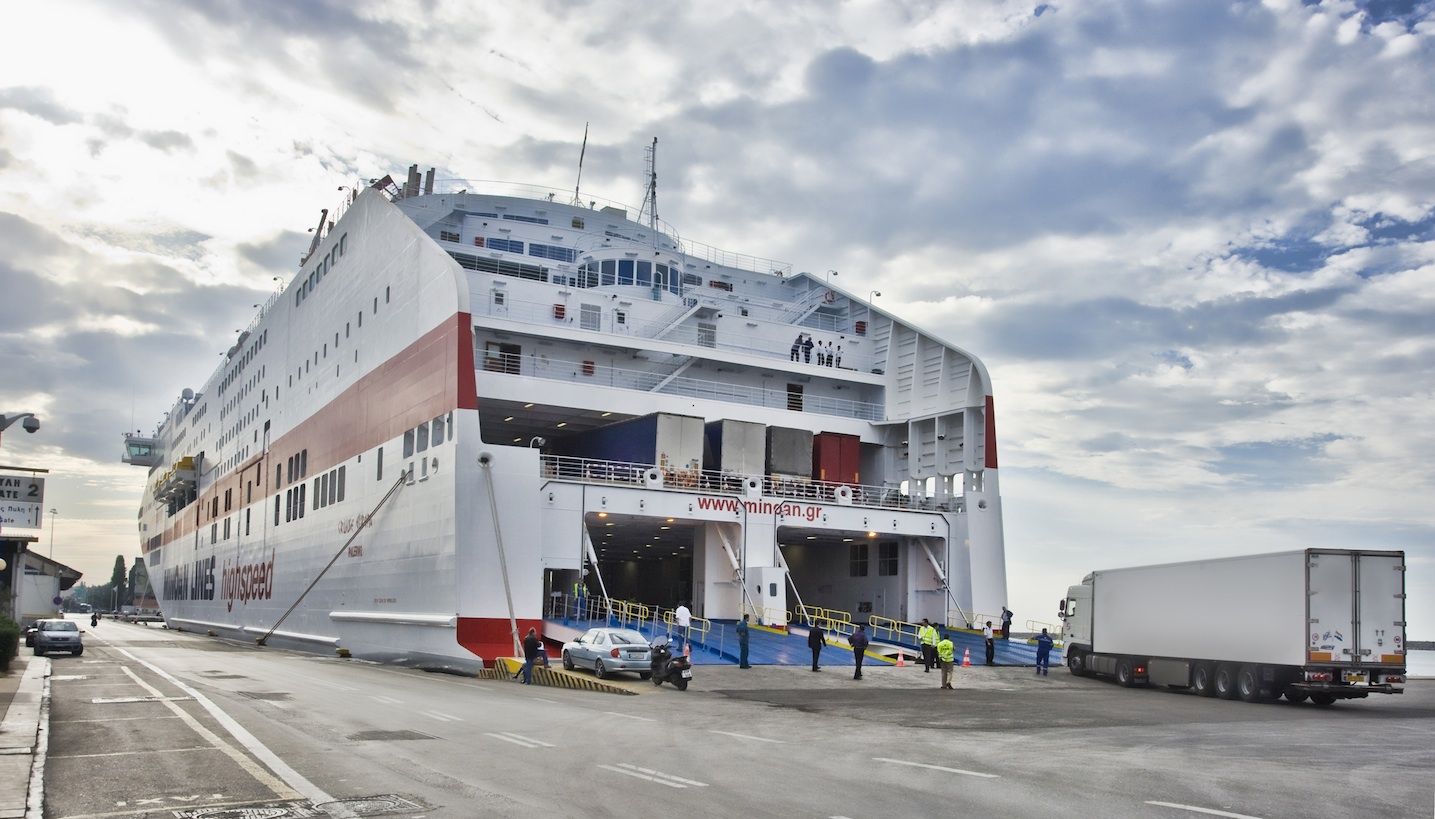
x,y
665,667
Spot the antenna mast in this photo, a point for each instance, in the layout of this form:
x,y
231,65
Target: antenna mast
x,y
650,198
577,202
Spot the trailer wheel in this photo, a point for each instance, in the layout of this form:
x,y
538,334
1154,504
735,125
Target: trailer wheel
x,y
1248,684
1225,682
1295,697
1076,663
1124,677
1201,682
1322,699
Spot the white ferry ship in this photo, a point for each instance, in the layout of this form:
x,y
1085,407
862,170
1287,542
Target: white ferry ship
x,y
479,402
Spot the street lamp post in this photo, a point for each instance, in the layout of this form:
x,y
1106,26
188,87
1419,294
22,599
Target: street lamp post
x,y
873,294
53,514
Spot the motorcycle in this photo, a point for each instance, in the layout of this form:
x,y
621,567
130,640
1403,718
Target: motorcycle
x,y
94,620
666,667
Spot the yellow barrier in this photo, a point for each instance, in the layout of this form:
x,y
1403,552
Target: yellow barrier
x,y
505,667
699,626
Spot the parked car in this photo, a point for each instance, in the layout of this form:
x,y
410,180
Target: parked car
x,y
606,650
58,635
30,633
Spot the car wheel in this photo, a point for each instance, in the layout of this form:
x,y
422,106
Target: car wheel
x,y
1225,682
643,675
1076,664
1295,697
1201,682
79,651
1322,699
1124,677
599,670
1248,685
680,684
39,652
567,662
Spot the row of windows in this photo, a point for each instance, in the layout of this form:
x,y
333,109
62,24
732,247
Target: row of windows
x,y
506,245
513,217
329,488
425,435
628,271
554,252
297,467
503,267
249,355
229,529
886,560
326,263
294,498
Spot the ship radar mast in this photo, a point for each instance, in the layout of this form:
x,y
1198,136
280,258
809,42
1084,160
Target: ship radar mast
x,y
650,198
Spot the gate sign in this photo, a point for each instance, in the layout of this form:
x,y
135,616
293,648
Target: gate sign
x,y
22,501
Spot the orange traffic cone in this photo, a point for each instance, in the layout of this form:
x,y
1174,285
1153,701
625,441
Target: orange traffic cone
x,y
901,659
966,658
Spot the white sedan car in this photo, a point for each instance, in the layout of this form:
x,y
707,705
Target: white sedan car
x,y
606,650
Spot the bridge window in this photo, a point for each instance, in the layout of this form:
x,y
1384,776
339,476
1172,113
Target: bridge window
x,y
887,559
857,560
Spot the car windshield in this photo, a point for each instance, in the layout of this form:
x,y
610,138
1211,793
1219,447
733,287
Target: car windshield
x,y
59,625
627,638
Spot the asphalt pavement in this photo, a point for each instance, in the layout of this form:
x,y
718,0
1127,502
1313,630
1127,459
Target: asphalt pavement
x,y
156,723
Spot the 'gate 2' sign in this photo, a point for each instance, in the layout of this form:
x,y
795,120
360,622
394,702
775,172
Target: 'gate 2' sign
x,y
21,501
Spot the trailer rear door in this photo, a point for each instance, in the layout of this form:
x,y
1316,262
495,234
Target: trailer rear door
x,y
1381,614
1330,589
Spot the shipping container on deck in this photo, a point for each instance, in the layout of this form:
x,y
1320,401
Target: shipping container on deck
x,y
789,452
836,458
735,447
672,443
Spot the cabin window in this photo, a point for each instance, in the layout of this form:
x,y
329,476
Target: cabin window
x,y
343,244
625,271
707,334
276,509
857,560
408,443
379,465
423,437
608,268
339,497
887,559
333,487
437,435
645,273
578,222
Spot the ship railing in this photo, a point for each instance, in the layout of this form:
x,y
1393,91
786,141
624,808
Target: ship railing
x,y
624,473
887,628
601,375
541,314
769,616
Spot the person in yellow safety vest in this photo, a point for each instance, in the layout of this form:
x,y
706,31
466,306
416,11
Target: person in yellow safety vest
x,y
927,636
947,654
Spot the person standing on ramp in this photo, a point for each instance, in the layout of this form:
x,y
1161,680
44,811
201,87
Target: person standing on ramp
x,y
859,643
815,639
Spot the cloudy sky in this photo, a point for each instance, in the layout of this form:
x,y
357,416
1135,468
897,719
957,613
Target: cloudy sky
x,y
1193,242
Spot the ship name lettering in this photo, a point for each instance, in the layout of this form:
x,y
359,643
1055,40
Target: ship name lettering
x,y
250,581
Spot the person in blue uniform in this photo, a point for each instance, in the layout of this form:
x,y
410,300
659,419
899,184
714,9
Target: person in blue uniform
x,y
815,639
742,643
859,643
1043,653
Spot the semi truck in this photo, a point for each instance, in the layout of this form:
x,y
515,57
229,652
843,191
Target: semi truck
x,y
1323,624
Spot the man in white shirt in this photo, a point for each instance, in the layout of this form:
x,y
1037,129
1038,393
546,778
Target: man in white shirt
x,y
684,620
991,643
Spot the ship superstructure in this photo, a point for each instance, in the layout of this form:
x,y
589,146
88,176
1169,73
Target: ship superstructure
x,y
526,395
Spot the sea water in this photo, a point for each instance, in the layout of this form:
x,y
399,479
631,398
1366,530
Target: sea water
x,y
1420,663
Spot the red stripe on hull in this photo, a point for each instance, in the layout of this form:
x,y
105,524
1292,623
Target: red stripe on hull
x,y
491,637
430,377
991,433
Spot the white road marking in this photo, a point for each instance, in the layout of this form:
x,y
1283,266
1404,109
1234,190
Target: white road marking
x,y
519,739
629,716
158,697
141,751
59,677
268,780
334,685
935,767
111,719
386,700
441,717
746,736
1209,811
293,781
653,776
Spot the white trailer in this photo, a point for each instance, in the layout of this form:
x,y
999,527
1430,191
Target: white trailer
x,y
1320,623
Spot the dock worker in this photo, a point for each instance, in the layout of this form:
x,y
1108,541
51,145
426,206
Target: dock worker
x,y
742,643
1043,653
990,640
947,655
815,639
1006,623
530,655
927,637
859,643
684,618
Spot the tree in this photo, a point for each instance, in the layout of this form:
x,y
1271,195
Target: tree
x,y
117,580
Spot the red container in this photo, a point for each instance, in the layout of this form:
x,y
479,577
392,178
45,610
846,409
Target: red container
x,y
835,457
559,311
861,328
